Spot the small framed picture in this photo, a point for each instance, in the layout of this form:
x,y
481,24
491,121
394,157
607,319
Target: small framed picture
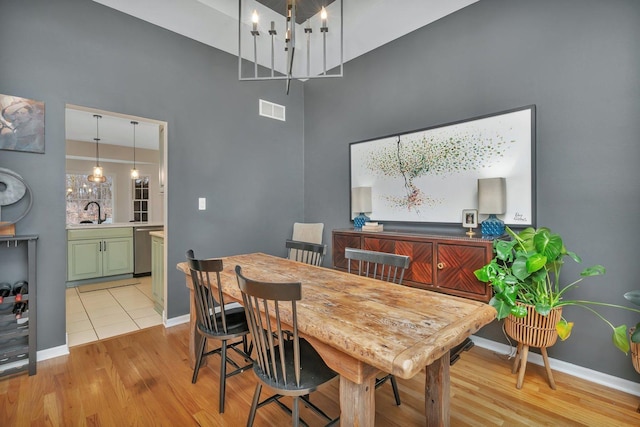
x,y
470,218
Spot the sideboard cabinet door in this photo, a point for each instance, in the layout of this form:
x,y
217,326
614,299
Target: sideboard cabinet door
x,y
341,241
420,272
455,265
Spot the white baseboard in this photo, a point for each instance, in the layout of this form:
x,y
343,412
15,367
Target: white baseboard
x,y
175,321
50,353
568,368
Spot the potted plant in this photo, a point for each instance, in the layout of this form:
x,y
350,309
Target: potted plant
x,y
525,276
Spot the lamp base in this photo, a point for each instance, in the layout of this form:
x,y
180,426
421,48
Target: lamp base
x,y
359,221
492,226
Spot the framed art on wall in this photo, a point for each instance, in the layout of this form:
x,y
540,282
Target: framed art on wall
x,y
21,124
430,175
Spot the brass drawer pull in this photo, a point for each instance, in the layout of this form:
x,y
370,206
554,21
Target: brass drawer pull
x,y
440,265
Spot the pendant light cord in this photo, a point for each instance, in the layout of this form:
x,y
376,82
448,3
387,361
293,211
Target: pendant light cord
x,y
97,139
134,123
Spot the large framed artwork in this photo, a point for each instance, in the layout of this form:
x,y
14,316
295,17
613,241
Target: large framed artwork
x,y
430,175
21,124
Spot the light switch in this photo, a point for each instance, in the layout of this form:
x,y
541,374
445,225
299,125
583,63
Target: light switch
x,y
202,203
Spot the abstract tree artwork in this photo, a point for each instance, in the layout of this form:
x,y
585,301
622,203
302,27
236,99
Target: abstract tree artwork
x,y
431,175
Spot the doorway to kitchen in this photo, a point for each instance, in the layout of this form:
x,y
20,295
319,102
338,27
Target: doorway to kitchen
x,y
113,302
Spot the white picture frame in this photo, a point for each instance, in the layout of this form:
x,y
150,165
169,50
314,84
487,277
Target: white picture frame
x,y
431,175
470,218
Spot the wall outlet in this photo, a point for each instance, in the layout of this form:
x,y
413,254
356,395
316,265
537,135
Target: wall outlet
x,y
202,203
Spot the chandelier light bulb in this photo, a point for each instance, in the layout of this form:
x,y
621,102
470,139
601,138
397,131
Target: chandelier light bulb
x,y
254,19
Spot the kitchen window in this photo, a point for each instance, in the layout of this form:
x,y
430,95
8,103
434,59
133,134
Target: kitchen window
x,y
80,192
140,199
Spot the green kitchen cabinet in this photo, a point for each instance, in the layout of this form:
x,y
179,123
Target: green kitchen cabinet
x,y
157,272
94,252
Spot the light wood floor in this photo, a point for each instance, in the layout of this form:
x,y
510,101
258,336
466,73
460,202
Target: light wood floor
x,y
143,379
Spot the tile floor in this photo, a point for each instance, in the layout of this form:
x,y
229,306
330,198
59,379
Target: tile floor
x,y
99,314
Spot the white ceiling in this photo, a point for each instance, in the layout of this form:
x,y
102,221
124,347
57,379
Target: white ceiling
x,y
112,128
368,24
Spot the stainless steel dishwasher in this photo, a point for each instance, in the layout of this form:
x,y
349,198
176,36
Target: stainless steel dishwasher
x,y
142,249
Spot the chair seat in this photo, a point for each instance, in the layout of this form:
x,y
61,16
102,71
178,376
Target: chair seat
x,y
236,324
313,371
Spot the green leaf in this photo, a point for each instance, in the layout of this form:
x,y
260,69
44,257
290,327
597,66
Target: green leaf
x,y
635,337
596,270
510,280
519,311
620,338
511,292
501,307
574,256
519,268
634,297
504,250
548,244
535,262
482,274
543,308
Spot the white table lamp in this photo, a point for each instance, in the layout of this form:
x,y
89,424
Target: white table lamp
x,y
492,200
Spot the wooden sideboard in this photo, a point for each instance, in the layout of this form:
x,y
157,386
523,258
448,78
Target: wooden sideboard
x,y
442,263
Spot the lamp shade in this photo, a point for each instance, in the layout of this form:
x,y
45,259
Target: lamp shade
x,y
361,199
492,195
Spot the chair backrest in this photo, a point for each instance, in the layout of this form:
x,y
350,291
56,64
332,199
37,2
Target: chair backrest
x,y
379,265
309,253
308,232
205,274
272,353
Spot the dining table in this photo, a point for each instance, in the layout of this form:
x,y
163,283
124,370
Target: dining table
x,y
363,326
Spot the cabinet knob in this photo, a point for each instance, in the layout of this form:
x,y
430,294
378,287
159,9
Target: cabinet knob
x,y
440,265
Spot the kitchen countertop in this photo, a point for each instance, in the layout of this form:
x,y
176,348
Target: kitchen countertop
x,y
114,225
157,234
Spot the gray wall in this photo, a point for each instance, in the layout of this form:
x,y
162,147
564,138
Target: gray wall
x,y
249,168
579,62
576,60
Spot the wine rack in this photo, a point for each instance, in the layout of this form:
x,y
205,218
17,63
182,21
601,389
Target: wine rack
x,y
18,337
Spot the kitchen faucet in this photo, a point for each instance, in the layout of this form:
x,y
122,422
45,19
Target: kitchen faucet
x,y
100,220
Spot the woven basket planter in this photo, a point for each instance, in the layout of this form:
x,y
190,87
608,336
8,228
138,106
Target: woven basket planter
x,y
635,353
534,329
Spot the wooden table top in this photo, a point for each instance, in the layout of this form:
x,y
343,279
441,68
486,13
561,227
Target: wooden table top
x,y
394,328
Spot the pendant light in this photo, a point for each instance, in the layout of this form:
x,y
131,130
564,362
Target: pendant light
x,y
134,171
97,175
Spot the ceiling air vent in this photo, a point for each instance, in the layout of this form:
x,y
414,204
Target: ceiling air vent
x,y
271,110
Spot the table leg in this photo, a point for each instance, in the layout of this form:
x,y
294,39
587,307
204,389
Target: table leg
x,y
194,337
357,402
437,392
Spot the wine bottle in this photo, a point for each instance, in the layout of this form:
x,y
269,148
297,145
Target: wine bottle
x,y
19,308
5,291
20,288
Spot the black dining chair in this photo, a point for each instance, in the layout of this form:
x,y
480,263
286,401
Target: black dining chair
x,y
309,253
217,321
382,266
289,367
